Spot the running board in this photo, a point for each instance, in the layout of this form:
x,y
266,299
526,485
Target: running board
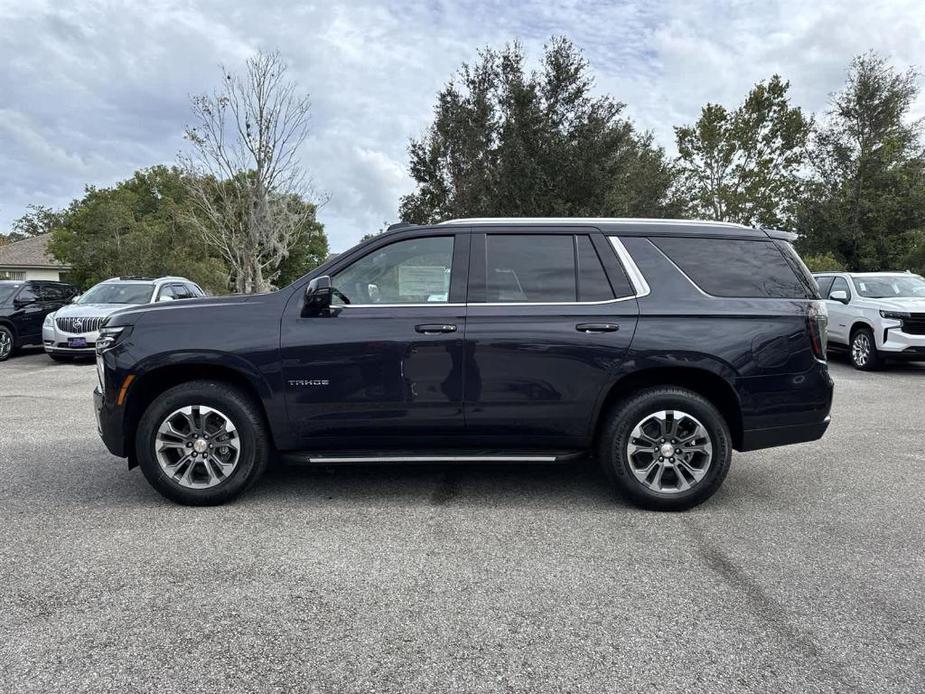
x,y
338,457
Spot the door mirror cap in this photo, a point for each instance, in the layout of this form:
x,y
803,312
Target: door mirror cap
x,y
318,294
839,295
19,303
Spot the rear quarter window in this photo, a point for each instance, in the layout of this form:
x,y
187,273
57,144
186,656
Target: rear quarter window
x,y
740,267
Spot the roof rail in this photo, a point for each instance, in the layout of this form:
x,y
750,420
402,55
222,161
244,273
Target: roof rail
x,y
597,220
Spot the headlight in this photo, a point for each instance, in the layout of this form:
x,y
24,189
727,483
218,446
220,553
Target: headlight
x,y
898,315
108,337
49,321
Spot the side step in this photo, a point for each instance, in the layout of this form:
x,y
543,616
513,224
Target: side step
x,y
475,456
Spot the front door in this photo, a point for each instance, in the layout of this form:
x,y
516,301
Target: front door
x,y
840,313
384,366
547,327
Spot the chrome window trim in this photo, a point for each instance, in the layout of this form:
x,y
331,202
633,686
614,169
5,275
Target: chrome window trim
x,y
637,279
432,304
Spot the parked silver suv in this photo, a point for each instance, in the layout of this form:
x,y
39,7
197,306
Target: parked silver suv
x,y
71,331
875,315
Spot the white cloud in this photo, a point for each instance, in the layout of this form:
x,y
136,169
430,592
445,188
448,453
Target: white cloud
x,y
93,90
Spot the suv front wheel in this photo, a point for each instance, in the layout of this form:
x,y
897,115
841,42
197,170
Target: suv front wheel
x,y
666,448
864,354
202,443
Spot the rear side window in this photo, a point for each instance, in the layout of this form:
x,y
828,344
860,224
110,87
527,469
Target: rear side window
x,y
529,268
738,267
593,284
824,284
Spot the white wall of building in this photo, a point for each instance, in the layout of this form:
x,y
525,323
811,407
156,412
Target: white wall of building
x,y
32,273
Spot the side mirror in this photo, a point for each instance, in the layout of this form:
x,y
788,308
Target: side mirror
x,y
76,298
19,303
164,297
317,295
839,295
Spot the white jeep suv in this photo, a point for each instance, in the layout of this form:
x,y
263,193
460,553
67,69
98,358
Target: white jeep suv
x,y
875,315
71,331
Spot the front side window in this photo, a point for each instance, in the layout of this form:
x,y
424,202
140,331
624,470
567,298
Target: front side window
x,y
906,287
117,293
839,285
530,268
414,271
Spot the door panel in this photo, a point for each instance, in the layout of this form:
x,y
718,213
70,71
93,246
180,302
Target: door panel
x,y
536,367
532,372
840,315
368,371
384,365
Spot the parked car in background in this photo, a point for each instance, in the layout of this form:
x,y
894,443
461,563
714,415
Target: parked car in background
x,y
72,331
875,316
657,346
24,304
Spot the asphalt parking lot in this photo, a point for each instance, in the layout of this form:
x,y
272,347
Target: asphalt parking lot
x,y
805,573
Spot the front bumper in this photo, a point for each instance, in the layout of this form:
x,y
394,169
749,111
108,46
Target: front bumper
x,y
895,342
109,423
55,341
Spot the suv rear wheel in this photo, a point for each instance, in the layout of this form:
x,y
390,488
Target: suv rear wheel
x,y
666,448
7,343
864,355
202,443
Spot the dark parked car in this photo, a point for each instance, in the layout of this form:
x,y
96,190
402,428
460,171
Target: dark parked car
x,y
23,307
658,346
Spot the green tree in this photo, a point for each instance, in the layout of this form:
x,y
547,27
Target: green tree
x,y
744,165
866,200
38,220
136,227
508,142
308,249
822,262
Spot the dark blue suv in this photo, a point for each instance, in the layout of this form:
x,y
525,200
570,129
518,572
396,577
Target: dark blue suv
x,y
657,346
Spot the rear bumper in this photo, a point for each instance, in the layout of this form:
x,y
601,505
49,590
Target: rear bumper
x,y
755,439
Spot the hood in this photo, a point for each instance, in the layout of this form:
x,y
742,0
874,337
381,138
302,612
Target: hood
x,y
84,310
129,314
912,304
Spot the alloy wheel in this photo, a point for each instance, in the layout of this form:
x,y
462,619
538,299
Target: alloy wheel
x,y
860,349
669,451
198,447
6,344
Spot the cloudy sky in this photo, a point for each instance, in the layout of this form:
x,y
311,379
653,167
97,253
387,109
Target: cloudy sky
x,y
91,91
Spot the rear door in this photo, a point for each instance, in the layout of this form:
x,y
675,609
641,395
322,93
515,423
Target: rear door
x,y
550,317
29,314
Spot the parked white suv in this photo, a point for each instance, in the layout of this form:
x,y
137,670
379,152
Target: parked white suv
x,y
875,315
71,331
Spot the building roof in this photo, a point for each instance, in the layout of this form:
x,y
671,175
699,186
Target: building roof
x,y
29,253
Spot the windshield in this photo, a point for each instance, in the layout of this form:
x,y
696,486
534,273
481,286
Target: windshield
x,y
118,293
6,291
887,287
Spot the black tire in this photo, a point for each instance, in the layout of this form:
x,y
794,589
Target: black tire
x,y
626,415
243,413
63,358
863,351
7,343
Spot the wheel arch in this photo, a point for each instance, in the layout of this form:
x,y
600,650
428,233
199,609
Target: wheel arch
x,y
7,323
857,325
708,384
152,382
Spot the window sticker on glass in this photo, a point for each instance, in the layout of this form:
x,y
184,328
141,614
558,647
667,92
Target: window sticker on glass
x,y
422,280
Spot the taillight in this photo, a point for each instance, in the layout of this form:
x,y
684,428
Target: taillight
x,y
817,322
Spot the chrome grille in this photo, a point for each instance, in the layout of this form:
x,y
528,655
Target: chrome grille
x,y
79,325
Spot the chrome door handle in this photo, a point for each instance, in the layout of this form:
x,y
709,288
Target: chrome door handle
x,y
435,328
597,327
